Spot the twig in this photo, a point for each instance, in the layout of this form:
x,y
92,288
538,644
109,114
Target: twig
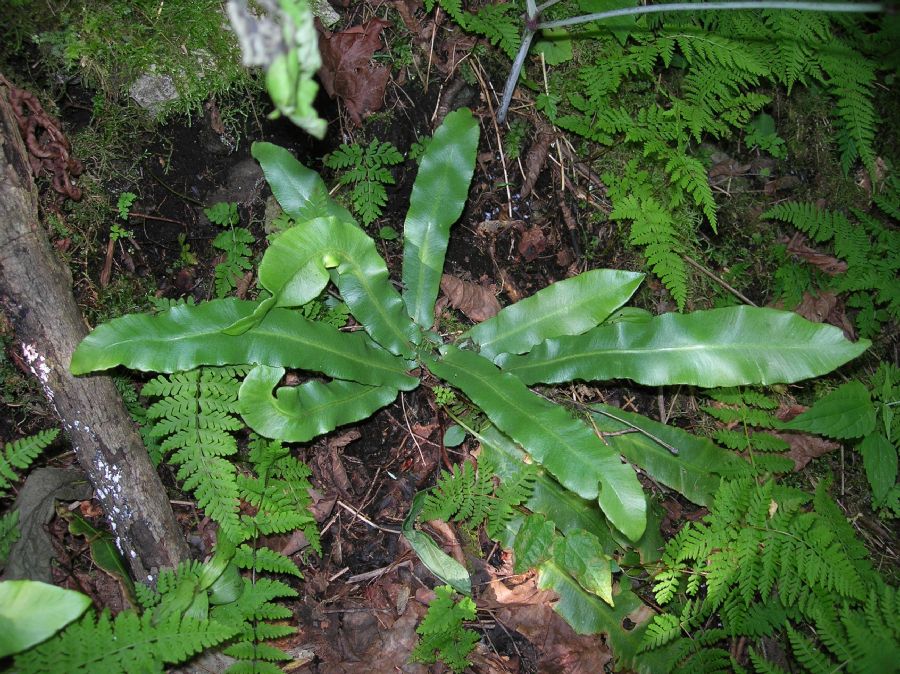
x,y
146,216
378,573
671,448
356,513
840,7
703,270
409,428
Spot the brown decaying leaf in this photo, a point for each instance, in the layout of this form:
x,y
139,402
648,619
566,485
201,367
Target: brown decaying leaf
x,y
826,307
476,302
529,611
827,263
803,447
346,69
532,243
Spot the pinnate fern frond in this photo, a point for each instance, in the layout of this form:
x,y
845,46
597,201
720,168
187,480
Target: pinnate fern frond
x,y
851,79
20,454
471,496
500,24
653,228
196,413
127,643
235,243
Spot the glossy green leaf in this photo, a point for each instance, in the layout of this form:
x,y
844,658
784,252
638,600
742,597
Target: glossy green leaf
x,y
694,471
564,308
442,565
299,190
454,436
533,543
437,199
721,347
300,413
880,461
846,412
295,269
186,336
565,446
103,551
31,612
579,553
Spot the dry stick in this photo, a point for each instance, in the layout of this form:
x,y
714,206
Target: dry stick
x,y
532,24
703,270
365,519
437,14
409,428
487,97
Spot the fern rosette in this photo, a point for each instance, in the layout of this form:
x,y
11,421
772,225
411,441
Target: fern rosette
x,y
585,494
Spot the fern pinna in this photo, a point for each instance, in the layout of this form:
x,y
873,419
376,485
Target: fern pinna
x,y
764,560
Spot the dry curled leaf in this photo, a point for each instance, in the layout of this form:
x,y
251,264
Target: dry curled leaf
x,y
476,302
347,71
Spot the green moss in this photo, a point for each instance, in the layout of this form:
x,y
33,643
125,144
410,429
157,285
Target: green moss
x,y
112,43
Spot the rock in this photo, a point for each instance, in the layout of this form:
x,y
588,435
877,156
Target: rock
x,y
152,92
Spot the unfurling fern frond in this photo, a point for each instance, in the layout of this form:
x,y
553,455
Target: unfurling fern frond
x,y
128,643
195,415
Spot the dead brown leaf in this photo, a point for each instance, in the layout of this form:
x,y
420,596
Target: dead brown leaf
x,y
532,243
782,184
347,71
805,448
475,301
826,307
529,611
827,263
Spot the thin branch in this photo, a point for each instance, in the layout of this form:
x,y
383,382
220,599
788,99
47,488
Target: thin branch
x,y
841,7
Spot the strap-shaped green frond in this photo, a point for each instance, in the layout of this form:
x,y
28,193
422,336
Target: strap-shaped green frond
x,y
295,269
300,413
567,307
299,190
565,446
437,199
721,347
689,464
186,336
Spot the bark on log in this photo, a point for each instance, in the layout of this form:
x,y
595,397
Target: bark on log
x,y
36,295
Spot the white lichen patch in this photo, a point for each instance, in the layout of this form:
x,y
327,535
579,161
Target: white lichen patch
x,y
39,367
